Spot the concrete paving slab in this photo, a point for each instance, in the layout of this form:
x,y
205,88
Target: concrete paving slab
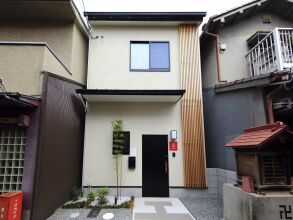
x,y
160,209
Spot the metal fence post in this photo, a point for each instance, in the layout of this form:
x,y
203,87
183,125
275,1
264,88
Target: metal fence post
x,y
278,49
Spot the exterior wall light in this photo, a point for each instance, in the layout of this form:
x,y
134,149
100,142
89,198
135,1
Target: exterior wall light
x,y
173,134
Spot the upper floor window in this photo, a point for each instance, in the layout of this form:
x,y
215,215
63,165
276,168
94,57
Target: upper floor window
x,y
149,56
256,38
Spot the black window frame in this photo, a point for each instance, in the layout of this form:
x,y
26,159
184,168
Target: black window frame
x,y
150,69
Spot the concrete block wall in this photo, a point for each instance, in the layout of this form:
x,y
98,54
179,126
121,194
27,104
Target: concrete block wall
x,y
174,192
239,205
217,177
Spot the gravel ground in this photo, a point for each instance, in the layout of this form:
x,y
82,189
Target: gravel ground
x,y
119,214
204,208
64,214
200,208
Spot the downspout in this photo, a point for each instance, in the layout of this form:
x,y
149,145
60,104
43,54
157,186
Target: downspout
x,y
83,102
217,40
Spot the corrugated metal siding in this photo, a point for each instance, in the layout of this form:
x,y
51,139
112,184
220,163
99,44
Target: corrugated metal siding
x,y
226,115
191,107
59,160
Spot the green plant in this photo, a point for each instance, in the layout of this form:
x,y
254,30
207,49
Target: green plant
x,y
86,204
75,193
75,205
118,145
102,196
90,197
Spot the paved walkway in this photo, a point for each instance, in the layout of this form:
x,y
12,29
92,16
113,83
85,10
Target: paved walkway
x,y
154,209
160,209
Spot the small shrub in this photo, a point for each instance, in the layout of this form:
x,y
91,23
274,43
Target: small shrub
x,y
90,197
102,196
75,205
86,204
128,204
75,193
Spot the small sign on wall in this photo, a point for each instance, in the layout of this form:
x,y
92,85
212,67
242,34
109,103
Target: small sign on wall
x,y
173,145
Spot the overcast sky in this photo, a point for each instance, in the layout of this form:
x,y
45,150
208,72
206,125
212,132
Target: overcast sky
x,y
212,7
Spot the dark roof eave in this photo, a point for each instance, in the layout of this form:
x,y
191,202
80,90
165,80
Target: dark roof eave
x,y
145,16
129,92
19,100
255,81
214,20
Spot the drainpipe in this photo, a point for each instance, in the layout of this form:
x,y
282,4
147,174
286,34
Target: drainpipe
x,y
83,102
217,40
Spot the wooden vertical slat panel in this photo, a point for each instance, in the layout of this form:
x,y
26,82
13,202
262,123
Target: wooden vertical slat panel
x,y
191,107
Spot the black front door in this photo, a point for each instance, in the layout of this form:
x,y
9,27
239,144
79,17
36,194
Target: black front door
x,y
155,174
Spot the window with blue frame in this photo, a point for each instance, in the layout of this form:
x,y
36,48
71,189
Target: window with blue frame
x,y
149,56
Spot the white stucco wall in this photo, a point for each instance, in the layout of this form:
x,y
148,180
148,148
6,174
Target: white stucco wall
x,y
109,58
139,119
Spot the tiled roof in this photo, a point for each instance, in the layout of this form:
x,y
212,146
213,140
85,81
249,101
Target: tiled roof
x,y
257,136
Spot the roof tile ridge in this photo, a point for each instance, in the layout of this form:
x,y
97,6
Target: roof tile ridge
x,y
273,127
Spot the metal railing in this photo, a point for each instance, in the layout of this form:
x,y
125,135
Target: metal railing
x,y
273,53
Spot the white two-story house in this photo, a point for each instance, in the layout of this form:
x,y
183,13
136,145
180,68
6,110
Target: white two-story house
x,y
144,68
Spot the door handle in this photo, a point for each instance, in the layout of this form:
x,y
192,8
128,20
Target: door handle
x,y
166,167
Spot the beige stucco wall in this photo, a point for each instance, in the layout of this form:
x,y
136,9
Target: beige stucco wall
x,y
64,38
52,65
79,55
58,35
20,68
109,59
139,119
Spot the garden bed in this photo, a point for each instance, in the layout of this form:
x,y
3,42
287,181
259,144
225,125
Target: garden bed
x,y
124,202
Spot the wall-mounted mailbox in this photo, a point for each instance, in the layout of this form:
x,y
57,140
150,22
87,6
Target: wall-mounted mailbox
x,y
131,163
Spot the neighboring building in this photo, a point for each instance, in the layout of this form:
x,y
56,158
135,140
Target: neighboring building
x,y
247,56
144,68
43,50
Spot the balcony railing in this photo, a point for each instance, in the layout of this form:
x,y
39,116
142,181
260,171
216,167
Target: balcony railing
x,y
273,53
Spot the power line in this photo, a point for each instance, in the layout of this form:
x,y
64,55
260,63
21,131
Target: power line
x,y
4,91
